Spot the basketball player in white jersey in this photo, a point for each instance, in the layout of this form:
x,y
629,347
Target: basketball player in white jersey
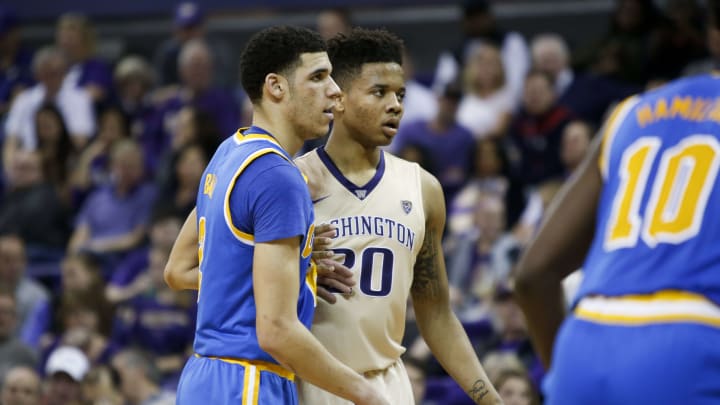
x,y
388,216
387,231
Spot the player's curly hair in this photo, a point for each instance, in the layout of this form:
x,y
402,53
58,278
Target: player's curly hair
x,y
348,53
275,50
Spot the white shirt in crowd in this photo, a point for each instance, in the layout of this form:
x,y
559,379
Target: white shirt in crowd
x,y
74,105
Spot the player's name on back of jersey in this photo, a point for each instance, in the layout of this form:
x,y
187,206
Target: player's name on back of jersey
x,y
688,108
377,226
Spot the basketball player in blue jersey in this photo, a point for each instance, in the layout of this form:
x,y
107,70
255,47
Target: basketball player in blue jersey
x,y
389,216
640,217
253,226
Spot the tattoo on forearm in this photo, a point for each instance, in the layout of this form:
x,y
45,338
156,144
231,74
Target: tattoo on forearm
x,y
425,280
478,390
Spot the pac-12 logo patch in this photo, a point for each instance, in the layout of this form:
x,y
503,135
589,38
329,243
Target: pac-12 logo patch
x,y
406,206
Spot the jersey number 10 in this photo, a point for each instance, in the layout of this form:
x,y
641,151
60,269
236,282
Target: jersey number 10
x,y
678,196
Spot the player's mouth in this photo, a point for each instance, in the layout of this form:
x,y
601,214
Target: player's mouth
x,y
390,127
328,112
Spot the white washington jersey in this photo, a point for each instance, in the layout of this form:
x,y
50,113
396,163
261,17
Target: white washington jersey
x,y
380,230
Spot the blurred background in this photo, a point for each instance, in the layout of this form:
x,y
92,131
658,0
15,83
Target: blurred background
x,y
110,111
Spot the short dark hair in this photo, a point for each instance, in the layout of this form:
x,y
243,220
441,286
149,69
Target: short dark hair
x,y
349,52
275,50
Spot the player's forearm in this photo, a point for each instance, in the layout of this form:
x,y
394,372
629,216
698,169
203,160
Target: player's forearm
x,y
291,344
181,276
543,304
450,345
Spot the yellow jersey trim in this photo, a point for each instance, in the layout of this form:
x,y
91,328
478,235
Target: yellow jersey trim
x,y
244,237
610,129
239,137
257,364
669,306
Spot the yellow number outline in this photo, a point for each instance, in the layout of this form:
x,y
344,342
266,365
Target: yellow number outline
x,y
678,195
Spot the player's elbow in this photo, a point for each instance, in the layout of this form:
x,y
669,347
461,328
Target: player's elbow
x,y
529,276
170,276
272,334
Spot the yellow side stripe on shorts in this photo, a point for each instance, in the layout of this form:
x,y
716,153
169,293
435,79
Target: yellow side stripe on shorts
x,y
661,307
258,364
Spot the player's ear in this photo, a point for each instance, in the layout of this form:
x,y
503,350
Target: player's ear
x,y
275,85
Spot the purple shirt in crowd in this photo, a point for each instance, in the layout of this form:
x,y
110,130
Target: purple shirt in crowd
x,y
92,71
109,215
448,155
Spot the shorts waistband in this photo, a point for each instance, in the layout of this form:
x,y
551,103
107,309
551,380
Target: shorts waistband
x,y
258,364
668,306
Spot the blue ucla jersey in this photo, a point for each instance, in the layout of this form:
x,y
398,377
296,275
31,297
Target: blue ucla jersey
x,y
251,192
658,222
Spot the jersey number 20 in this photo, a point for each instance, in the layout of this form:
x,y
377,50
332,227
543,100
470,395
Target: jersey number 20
x,y
678,196
369,282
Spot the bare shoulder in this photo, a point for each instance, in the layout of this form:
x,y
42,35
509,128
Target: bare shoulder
x,y
433,195
310,166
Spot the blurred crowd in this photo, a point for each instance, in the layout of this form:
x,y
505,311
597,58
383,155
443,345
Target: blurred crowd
x,y
101,162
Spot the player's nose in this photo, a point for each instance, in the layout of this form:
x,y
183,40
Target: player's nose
x,y
333,89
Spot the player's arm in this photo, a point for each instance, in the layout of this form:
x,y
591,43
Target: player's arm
x,y
437,323
276,205
558,249
182,269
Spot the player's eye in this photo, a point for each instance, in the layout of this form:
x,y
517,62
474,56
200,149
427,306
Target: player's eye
x,y
379,93
401,96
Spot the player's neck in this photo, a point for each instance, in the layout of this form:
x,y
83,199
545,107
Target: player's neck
x,y
350,156
282,131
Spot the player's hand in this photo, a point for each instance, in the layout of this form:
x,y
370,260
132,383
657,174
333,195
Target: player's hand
x,y
331,274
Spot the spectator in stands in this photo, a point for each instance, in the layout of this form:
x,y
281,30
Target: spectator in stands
x,y
630,43
160,320
497,362
76,37
15,60
491,175
139,380
84,316
13,352
49,67
536,130
416,372
679,39
180,192
196,89
131,277
510,333
99,388
487,103
447,147
587,95
55,147
32,300
331,22
480,260
712,61
92,168
194,126
480,27
64,371
515,388
419,103
189,24
21,386
134,81
33,209
114,218
576,139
